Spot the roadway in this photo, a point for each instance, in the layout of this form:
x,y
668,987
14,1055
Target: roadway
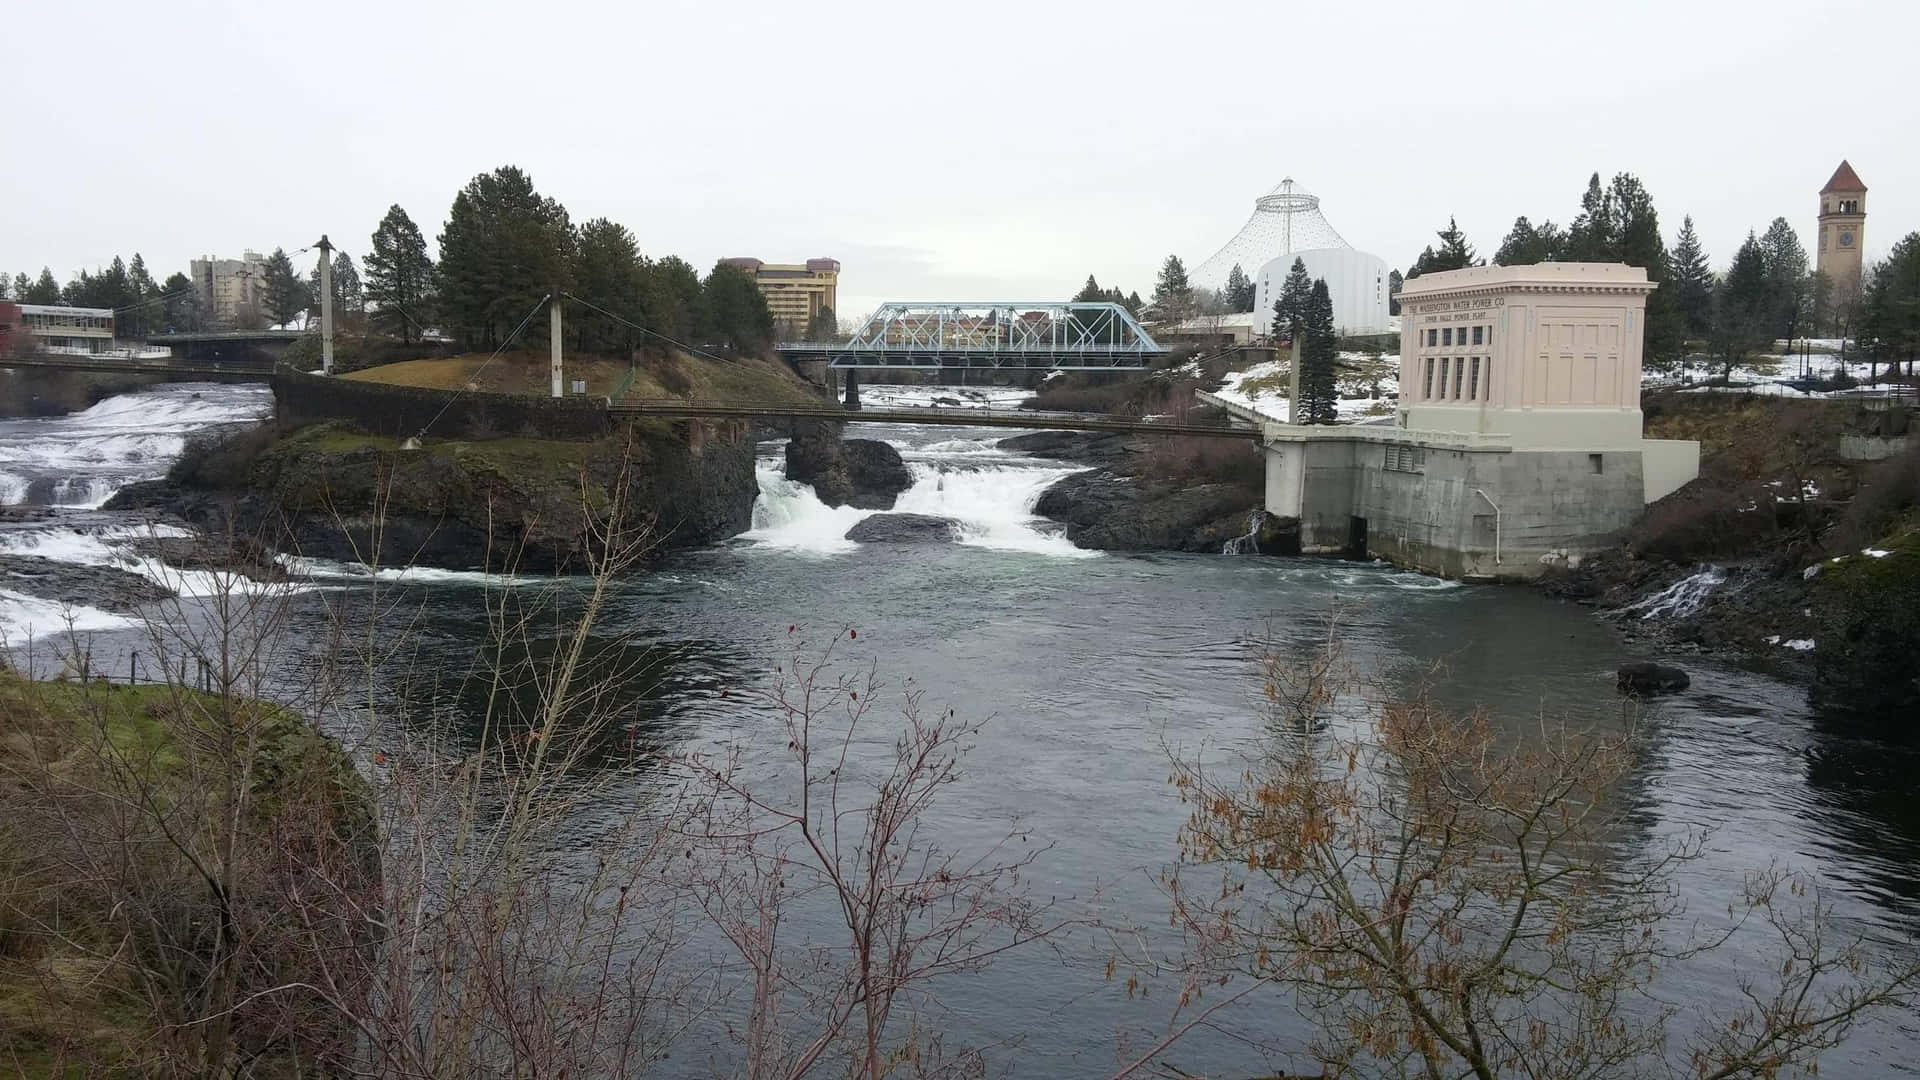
x,y
1001,418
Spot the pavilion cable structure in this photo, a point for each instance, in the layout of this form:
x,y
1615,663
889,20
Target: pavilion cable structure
x,y
1285,220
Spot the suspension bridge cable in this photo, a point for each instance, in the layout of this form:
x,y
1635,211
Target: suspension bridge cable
x,y
653,333
474,378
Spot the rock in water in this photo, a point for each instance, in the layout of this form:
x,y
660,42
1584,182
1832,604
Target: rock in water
x,y
1645,678
905,529
866,473
877,472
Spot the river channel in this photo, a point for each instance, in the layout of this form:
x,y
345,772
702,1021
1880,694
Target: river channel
x,y
1090,669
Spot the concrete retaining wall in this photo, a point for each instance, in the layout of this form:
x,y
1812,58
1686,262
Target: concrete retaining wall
x,y
402,411
1872,447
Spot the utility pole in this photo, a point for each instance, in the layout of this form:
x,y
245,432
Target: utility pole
x,y
553,336
326,305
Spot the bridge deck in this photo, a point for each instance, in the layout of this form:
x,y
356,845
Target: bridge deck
x,y
1029,420
165,369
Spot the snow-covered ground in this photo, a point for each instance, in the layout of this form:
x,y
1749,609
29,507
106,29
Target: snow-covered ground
x,y
1263,387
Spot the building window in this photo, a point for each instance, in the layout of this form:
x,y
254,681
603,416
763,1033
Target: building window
x,y
1443,379
1427,394
1433,337
1477,331
1446,336
1459,376
1598,463
1473,381
1489,335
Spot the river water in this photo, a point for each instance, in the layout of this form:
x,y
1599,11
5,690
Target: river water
x,y
1091,668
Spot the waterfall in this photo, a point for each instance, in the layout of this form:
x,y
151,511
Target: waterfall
x,y
1250,543
1680,599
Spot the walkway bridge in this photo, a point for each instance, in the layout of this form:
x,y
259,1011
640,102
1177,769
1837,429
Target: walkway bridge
x,y
158,367
1004,418
998,335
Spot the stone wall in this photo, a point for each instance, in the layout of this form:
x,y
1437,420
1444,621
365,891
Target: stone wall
x,y
402,411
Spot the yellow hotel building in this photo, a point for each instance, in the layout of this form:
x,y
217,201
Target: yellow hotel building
x,y
795,292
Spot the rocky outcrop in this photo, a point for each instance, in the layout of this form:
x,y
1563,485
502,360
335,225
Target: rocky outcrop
x,y
73,583
1109,512
1109,449
864,473
1644,678
904,529
329,492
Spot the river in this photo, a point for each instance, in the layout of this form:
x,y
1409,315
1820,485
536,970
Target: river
x,y
1090,668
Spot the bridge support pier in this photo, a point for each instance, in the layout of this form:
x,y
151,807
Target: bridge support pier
x,y
853,388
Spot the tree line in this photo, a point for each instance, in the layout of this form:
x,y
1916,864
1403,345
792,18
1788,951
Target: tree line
x,y
503,248
1767,292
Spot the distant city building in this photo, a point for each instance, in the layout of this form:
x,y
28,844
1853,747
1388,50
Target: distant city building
x,y
1286,224
55,328
795,292
233,291
1843,227
1356,282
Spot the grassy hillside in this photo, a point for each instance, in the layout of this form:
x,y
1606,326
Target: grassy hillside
x,y
656,375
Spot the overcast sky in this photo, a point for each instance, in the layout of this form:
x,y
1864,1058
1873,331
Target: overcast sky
x,y
977,150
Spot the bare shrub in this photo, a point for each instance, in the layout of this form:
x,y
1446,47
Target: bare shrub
x,y
1704,522
1888,493
1448,899
1188,460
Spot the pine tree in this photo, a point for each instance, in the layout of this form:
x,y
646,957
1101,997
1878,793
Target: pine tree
x,y
287,293
1135,305
1319,395
676,290
1394,281
1454,253
1239,292
22,285
824,326
1889,328
1526,245
348,296
180,306
1743,306
1692,281
1090,293
734,311
1590,237
504,247
1290,308
400,275
1635,232
610,274
44,290
1173,294
143,312
1787,278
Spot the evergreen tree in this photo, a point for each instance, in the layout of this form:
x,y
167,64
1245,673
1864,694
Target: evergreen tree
x,y
610,274
1290,308
734,311
1135,305
1319,396
180,306
1173,294
677,292
1090,293
1454,253
44,290
1634,230
1526,245
1788,282
1692,281
348,296
824,326
287,293
1743,307
504,247
1239,293
1590,238
1890,308
400,275
1394,281
22,285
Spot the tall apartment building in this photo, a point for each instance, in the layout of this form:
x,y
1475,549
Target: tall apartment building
x,y
795,292
233,291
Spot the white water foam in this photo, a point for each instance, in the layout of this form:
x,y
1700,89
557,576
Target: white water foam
x,y
112,546
993,504
23,617
1680,599
330,570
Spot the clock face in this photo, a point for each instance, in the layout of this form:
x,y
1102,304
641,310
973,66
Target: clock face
x,y
1846,238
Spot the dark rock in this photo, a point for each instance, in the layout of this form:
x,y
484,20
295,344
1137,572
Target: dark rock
x,y
904,529
865,473
1109,512
1109,449
104,587
1646,678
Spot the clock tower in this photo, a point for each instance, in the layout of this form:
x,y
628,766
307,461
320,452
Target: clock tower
x,y
1843,221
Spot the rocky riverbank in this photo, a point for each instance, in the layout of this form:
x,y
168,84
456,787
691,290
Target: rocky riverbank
x,y
328,491
1147,494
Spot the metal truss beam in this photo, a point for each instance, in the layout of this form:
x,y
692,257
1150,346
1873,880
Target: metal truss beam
x,y
998,334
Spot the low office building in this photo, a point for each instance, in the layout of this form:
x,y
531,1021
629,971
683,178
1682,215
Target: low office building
x,y
795,292
55,328
1518,441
